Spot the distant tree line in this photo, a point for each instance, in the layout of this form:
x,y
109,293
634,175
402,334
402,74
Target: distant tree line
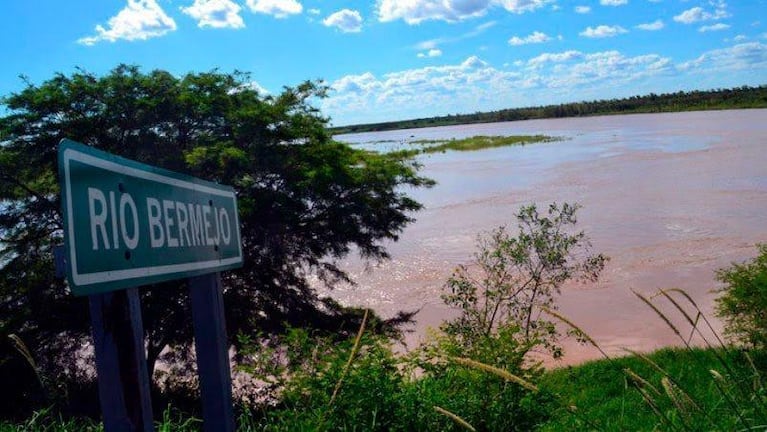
x,y
696,100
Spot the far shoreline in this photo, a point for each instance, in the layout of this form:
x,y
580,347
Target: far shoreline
x,y
712,100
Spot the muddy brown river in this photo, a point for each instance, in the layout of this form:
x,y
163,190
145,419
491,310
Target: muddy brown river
x,y
669,197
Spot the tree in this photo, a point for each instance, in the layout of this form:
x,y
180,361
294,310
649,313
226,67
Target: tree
x,y
743,300
305,201
513,277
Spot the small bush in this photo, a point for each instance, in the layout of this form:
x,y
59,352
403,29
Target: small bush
x,y
743,303
382,391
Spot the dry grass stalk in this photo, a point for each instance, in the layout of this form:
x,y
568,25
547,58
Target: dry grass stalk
x,y
693,323
720,383
352,354
673,392
455,418
662,316
648,361
664,373
717,376
638,380
700,313
577,329
22,348
508,376
654,407
757,376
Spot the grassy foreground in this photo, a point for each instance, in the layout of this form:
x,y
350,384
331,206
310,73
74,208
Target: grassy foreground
x,y
694,391
681,389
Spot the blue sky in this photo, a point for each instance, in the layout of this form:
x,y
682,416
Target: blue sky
x,y
398,59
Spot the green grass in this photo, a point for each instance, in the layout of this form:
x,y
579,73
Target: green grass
x,y
45,420
474,143
484,142
606,395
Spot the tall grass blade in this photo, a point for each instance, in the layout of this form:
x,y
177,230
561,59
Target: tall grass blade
x,y
573,326
753,395
22,348
654,407
508,376
348,364
667,375
720,381
702,315
757,386
673,394
638,380
455,418
662,316
693,323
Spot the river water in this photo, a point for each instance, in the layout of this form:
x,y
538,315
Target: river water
x,y
669,197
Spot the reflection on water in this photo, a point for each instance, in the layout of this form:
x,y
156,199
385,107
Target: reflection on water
x,y
670,197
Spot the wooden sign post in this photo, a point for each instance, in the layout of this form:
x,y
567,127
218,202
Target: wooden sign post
x,y
212,352
128,224
118,341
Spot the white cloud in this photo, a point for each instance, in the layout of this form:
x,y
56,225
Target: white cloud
x,y
742,57
534,38
254,85
691,15
613,2
698,14
431,53
653,26
433,43
552,77
346,20
416,11
314,11
476,85
582,9
517,6
740,38
713,27
215,13
139,20
544,58
278,8
603,31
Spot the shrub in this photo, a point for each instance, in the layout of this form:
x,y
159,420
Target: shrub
x,y
743,303
514,276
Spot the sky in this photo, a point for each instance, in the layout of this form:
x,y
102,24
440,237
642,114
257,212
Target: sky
x,y
390,60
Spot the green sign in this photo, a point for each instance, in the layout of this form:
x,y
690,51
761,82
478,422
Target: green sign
x,y
129,224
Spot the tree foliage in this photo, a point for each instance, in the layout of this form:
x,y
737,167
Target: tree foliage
x,y
743,300
305,201
514,276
